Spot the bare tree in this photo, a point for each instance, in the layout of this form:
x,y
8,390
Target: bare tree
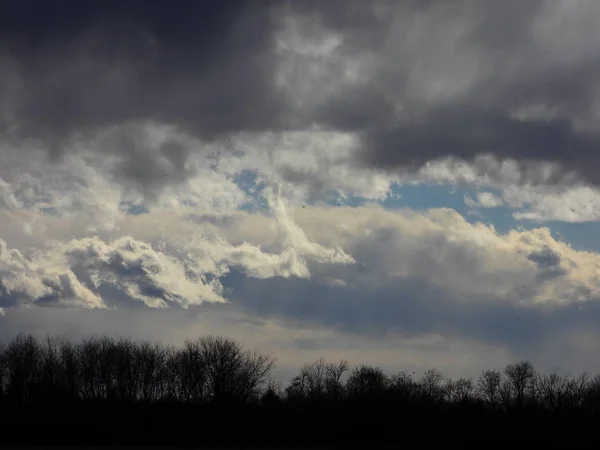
x,y
22,362
431,385
48,386
553,390
318,380
522,376
333,381
231,372
89,352
578,388
106,369
404,386
459,391
506,392
273,393
311,381
174,381
70,370
126,371
367,381
3,372
196,375
150,359
488,386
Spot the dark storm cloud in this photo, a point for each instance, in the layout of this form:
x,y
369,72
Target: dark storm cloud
x,y
511,66
75,66
139,166
210,67
466,133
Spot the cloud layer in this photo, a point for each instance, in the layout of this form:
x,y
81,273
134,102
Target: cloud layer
x,y
493,79
231,159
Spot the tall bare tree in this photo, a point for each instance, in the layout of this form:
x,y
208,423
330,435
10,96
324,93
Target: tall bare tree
x,y
3,372
231,372
522,377
404,386
367,382
488,386
553,390
334,386
431,385
459,391
23,363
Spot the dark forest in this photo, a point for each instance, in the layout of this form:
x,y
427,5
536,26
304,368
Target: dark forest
x,y
213,392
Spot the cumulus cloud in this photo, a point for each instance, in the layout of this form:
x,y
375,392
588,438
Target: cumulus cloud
x,y
484,200
354,271
418,274
185,271
576,204
24,281
364,248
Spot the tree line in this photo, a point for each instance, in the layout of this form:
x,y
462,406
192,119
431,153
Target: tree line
x,y
148,382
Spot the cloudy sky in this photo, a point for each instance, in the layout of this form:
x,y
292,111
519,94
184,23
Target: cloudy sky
x,y
408,184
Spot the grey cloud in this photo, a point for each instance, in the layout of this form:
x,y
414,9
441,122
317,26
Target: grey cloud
x,y
139,167
508,64
440,79
204,65
468,133
408,309
548,262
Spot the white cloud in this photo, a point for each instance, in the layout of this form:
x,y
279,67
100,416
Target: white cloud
x,y
395,271
488,200
574,204
309,166
484,200
173,271
528,191
41,277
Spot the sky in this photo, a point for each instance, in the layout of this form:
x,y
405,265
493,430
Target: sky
x,y
404,184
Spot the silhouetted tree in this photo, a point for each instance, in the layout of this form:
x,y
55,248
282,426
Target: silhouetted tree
x,y
89,353
460,391
273,394
3,373
366,382
588,393
23,363
150,362
404,387
431,387
334,387
228,372
488,386
318,381
101,380
521,377
553,391
310,382
577,389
